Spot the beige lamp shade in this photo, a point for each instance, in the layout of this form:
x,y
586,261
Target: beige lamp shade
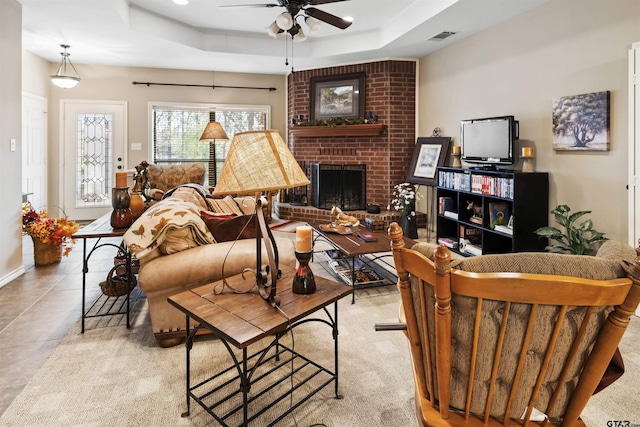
x,y
213,132
259,161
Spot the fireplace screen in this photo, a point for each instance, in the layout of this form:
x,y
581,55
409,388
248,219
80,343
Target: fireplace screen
x,y
339,185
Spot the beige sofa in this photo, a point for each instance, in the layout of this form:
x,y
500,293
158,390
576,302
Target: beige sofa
x,y
181,253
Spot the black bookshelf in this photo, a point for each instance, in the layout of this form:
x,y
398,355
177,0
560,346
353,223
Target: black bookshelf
x,y
470,203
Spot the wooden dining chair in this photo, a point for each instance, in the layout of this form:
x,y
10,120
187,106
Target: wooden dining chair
x,y
506,348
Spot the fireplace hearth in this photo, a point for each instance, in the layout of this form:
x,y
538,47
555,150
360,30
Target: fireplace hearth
x,y
338,185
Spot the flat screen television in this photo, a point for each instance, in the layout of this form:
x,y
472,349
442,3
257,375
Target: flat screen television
x,y
489,141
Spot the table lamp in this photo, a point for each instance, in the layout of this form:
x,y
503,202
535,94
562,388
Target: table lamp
x,y
212,132
258,162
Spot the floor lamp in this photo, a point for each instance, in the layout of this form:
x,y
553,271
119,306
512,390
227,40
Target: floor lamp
x,y
259,162
213,132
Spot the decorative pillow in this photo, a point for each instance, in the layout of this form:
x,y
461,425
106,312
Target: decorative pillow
x,y
227,227
227,205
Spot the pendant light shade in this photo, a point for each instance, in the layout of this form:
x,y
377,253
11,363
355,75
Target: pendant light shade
x,y
62,78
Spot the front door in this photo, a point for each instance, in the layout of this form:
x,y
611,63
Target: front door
x,y
94,135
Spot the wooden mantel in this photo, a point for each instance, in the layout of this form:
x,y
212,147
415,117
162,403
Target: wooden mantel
x,y
327,131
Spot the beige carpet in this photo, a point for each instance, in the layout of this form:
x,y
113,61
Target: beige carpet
x,y
114,376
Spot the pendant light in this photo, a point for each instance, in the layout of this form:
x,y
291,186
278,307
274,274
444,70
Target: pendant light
x,y
61,78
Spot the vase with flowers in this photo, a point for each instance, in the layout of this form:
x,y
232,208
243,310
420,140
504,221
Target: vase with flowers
x,y
404,201
52,237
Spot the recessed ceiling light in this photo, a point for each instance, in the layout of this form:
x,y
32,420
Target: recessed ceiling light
x,y
348,18
181,2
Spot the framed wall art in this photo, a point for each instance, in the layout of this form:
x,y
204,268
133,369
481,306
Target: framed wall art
x,y
581,122
428,154
337,96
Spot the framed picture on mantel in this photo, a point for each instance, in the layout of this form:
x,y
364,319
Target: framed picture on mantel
x,y
337,96
428,154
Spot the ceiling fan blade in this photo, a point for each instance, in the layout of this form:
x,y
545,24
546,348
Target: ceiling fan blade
x,y
327,17
251,5
317,2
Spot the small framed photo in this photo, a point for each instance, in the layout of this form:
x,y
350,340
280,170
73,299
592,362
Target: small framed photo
x,y
337,96
428,154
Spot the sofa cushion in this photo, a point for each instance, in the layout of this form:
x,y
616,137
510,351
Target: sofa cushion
x,y
583,266
609,263
165,177
226,227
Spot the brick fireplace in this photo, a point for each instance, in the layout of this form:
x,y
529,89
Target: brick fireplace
x,y
390,93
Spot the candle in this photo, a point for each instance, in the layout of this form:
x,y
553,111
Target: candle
x,y
303,238
527,151
456,149
121,179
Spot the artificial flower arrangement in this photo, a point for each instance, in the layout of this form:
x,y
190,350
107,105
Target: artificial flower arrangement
x,y
52,231
404,201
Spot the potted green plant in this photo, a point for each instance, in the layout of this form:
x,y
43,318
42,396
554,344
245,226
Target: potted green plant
x,y
576,239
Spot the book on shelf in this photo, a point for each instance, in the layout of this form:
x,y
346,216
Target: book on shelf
x,y
476,220
448,242
473,250
504,229
450,214
471,234
498,214
445,204
469,248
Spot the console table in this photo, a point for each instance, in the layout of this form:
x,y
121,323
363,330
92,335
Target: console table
x,y
98,229
256,382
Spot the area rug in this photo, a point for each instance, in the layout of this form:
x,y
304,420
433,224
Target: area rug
x,y
113,376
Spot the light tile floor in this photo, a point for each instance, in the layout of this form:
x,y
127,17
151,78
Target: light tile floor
x,y
38,308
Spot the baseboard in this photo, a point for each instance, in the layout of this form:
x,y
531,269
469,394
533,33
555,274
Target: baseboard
x,y
11,276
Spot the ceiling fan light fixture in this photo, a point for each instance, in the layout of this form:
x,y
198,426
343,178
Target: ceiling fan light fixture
x,y
273,30
300,36
314,24
61,78
284,21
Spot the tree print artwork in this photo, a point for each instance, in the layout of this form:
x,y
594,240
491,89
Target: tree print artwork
x,y
581,122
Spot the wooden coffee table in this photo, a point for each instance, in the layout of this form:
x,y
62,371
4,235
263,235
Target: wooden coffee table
x,y
351,247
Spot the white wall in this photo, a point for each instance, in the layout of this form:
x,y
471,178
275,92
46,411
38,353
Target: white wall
x,y
10,128
564,47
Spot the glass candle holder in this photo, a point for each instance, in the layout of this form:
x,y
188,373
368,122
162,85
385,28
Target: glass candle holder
x,y
303,280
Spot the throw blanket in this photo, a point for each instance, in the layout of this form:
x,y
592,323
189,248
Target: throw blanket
x,y
151,229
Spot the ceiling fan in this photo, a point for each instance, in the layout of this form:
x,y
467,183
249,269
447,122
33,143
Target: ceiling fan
x,y
287,20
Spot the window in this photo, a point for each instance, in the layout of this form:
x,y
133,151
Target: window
x,y
177,130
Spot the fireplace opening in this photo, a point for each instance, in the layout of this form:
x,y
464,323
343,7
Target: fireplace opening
x,y
338,185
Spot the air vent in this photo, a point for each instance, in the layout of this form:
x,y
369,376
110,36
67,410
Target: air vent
x,y
441,36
